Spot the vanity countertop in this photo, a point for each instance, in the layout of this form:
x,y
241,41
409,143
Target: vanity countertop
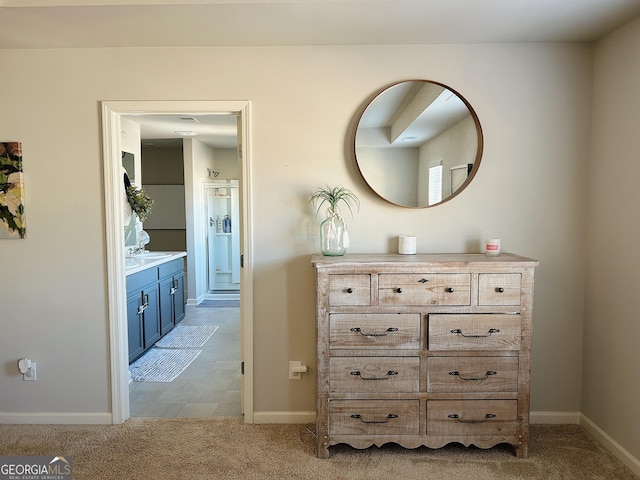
x,y
142,261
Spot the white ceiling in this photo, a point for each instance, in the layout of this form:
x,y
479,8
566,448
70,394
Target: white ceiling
x,y
158,131
114,23
32,24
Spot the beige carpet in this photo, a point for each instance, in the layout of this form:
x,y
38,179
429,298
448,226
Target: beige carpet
x,y
194,449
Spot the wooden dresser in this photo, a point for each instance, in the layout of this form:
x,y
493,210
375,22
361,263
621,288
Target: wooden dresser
x,y
423,350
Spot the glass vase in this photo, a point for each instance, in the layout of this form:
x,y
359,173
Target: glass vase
x,y
334,239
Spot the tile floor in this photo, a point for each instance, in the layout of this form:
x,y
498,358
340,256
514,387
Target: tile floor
x,y
210,386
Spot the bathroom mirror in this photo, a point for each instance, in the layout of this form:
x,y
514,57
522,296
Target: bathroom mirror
x,y
130,227
128,162
418,143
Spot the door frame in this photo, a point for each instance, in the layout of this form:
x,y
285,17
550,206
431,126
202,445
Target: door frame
x,y
112,111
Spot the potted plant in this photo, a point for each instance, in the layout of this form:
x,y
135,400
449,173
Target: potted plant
x,y
334,238
140,202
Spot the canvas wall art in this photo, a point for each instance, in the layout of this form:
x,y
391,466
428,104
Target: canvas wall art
x,y
12,224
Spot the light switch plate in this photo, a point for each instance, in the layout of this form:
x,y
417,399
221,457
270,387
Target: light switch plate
x,y
30,376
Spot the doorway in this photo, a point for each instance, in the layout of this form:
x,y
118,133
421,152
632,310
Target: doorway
x,y
112,114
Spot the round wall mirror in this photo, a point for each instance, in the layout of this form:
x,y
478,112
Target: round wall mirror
x,y
418,144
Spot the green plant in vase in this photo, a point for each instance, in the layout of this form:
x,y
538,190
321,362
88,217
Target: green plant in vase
x,y
334,238
140,202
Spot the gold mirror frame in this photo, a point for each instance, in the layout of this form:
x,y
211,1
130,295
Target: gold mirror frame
x,y
408,128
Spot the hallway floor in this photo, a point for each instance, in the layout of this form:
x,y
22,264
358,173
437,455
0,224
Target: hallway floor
x,y
210,386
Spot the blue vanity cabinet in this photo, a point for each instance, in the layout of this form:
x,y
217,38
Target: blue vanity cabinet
x,y
134,327
151,316
143,311
171,286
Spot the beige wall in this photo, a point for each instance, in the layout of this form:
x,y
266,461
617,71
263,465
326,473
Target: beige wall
x,y
533,102
611,391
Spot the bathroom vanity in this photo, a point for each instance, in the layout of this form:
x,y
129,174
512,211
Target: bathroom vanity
x,y
155,298
423,350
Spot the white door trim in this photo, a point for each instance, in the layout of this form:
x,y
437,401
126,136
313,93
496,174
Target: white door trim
x,y
118,341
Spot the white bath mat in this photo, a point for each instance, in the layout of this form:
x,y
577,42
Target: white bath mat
x,y
162,365
187,336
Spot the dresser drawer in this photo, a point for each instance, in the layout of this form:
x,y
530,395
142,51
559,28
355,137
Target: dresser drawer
x,y
374,374
499,288
374,330
472,417
472,374
424,289
474,332
374,417
345,290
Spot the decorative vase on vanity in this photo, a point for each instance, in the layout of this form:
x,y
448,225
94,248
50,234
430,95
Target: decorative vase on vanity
x,y
334,238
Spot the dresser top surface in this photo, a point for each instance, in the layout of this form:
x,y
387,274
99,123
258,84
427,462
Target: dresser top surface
x,y
426,259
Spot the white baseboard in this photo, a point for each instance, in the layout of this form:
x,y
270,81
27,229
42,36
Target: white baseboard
x,y
284,417
221,296
554,418
610,444
56,418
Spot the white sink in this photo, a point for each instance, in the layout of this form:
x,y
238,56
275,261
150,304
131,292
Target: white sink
x,y
151,255
143,260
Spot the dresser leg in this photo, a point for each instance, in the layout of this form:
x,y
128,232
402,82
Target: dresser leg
x,y
322,450
522,451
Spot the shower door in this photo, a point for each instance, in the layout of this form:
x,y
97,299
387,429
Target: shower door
x,y
223,237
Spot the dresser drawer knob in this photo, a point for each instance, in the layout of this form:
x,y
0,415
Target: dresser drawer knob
x,y
423,280
490,332
449,289
499,289
358,373
387,331
486,375
486,418
386,420
399,290
349,290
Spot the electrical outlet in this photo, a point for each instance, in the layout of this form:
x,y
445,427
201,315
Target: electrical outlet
x,y
295,369
30,376
293,375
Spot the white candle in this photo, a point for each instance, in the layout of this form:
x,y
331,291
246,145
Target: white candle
x,y
406,245
492,246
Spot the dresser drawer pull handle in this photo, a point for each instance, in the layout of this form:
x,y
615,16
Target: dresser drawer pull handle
x,y
349,290
488,334
399,290
486,375
486,418
359,330
358,373
386,420
499,289
448,290
423,280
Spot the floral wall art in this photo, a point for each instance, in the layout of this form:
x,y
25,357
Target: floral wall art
x,y
12,224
